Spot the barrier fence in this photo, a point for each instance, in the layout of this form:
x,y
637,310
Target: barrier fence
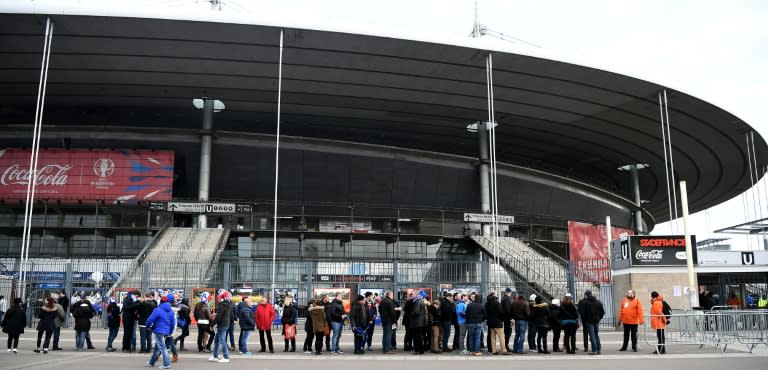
x,y
716,329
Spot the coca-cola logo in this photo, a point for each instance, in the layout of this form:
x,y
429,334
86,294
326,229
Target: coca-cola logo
x,y
655,254
50,174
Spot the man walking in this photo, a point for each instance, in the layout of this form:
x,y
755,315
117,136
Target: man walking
x,y
591,312
163,322
630,315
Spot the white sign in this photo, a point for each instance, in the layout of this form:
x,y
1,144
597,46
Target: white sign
x,y
487,219
201,207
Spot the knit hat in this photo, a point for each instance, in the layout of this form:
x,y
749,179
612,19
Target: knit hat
x,y
164,298
568,295
555,302
588,293
170,298
508,290
83,296
225,295
204,297
360,298
532,297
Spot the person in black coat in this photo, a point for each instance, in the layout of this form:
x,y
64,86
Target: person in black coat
x,y
554,324
569,319
83,312
358,318
289,317
417,321
507,316
495,319
447,318
388,323
435,325
130,314
310,332
113,323
46,324
540,317
13,324
371,314
144,310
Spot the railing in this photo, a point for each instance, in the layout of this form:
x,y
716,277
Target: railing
x,y
139,258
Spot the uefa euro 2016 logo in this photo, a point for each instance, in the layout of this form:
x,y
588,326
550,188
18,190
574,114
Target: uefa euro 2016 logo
x,y
103,167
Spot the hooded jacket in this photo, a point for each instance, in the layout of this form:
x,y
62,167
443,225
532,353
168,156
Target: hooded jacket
x,y
591,310
60,317
47,318
223,314
265,316
317,313
494,313
245,317
658,319
82,312
130,309
359,315
162,320
336,311
14,320
540,315
554,317
631,311
145,309
521,310
506,307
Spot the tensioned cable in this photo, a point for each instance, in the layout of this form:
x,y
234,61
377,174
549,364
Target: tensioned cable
x,y
33,160
757,176
671,159
277,161
494,182
666,163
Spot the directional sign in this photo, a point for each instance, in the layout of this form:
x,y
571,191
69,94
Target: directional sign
x,y
157,206
187,207
487,219
244,208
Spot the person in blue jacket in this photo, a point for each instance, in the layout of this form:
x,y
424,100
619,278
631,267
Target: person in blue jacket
x,y
163,323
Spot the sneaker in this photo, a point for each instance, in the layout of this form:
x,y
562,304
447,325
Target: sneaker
x,y
15,350
9,350
339,351
164,367
247,353
213,359
36,350
149,364
223,360
464,352
45,351
307,352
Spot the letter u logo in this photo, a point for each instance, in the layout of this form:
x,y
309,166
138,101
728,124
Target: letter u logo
x,y
747,258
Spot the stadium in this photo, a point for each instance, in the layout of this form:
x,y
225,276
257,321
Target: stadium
x,y
158,160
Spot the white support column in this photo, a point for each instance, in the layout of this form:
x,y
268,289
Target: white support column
x,y
693,295
205,157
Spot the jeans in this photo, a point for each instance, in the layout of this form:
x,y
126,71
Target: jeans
x,y
244,334
170,345
231,333
473,337
447,333
569,342
145,338
462,336
386,340
594,336
56,335
160,349
111,337
337,328
80,339
521,326
221,340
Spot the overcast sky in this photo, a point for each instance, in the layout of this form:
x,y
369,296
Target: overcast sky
x,y
714,50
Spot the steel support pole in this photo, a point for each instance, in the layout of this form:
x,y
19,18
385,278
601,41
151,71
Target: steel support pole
x,y
485,190
638,203
68,271
277,161
693,290
206,143
227,278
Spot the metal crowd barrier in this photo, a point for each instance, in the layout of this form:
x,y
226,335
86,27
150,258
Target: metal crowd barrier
x,y
716,329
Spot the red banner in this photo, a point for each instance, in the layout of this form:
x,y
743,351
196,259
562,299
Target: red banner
x,y
589,250
81,174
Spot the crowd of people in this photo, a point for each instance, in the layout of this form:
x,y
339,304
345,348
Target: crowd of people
x,y
455,322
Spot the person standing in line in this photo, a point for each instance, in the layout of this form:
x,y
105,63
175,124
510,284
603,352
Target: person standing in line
x,y
658,321
372,305
46,324
540,317
554,324
204,318
418,322
265,316
630,315
507,316
3,307
309,330
170,345
113,323
447,319
388,323
475,314
63,301
584,333
59,322
407,310
591,312
130,314
145,308
247,323
231,333
317,316
532,331
183,320
288,320
494,314
162,321
522,314
460,340
13,324
358,320
326,303
569,319
222,320
337,315
83,313
435,325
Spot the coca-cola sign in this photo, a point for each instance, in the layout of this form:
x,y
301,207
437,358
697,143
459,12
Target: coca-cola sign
x,y
667,250
79,174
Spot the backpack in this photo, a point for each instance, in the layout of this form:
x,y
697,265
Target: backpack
x,y
666,309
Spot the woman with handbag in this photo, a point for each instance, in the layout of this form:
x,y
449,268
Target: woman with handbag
x,y
290,314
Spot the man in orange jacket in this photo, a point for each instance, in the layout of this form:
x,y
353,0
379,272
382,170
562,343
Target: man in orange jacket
x,y
631,315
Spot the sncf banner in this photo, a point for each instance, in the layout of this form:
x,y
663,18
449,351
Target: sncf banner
x,y
108,175
667,250
588,250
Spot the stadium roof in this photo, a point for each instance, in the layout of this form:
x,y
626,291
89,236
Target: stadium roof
x,y
562,118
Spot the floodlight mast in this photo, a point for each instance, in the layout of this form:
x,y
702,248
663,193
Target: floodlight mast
x,y
479,30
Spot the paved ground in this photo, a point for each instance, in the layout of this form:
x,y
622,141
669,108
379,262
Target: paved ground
x,y
678,356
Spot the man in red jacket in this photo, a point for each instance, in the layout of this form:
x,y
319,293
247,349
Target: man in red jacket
x,y
265,316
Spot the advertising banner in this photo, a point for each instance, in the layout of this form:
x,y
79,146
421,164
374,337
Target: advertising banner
x,y
664,250
160,292
81,174
588,250
196,292
331,293
461,289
